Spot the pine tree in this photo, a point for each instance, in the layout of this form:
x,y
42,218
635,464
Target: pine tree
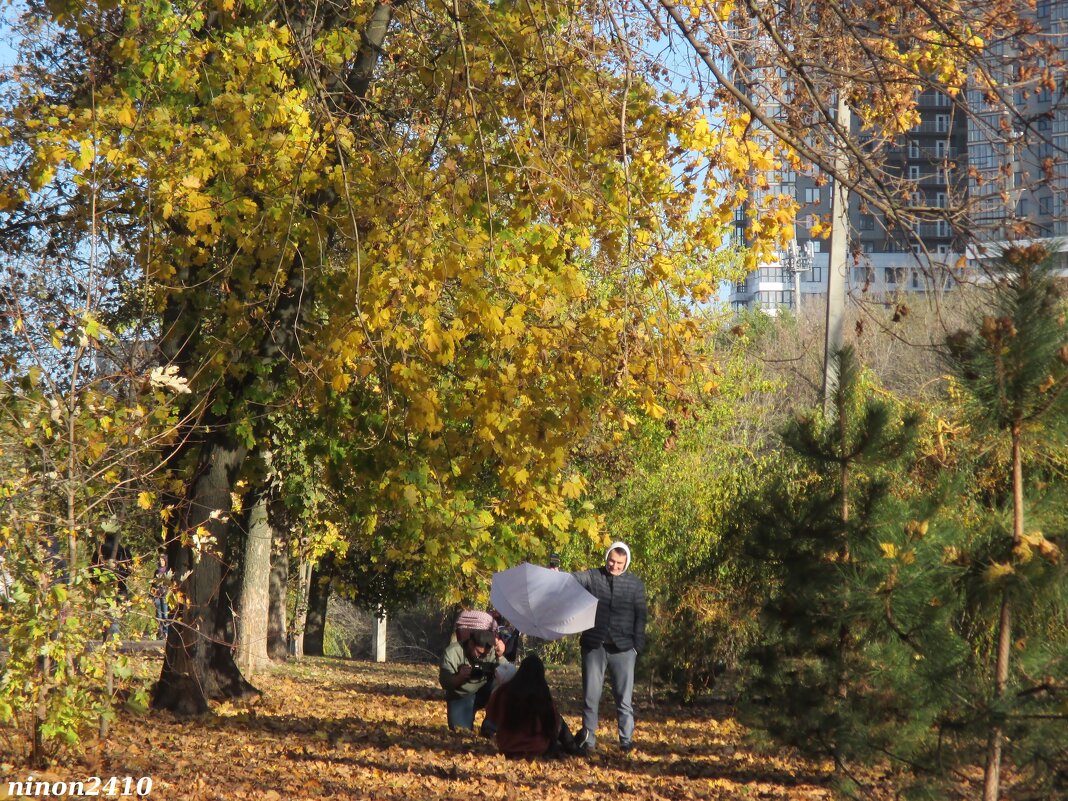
x,y
917,617
858,657
1013,367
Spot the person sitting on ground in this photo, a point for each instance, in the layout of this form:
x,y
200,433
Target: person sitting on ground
x,y
528,724
466,675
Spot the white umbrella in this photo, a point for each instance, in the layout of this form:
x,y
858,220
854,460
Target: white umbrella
x,y
541,602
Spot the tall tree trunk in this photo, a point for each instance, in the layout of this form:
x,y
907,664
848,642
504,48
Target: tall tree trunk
x,y
198,663
277,645
300,610
843,484
318,596
992,774
255,589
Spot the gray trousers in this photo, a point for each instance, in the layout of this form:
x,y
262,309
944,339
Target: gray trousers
x,y
620,669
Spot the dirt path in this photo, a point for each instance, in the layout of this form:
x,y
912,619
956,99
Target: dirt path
x,y
356,730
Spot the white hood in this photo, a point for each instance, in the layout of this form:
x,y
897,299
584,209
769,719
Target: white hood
x,y
625,548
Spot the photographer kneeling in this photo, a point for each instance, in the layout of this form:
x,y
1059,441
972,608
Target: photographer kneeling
x,y
466,675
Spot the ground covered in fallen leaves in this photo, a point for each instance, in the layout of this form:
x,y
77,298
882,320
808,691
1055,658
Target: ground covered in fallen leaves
x,y
327,728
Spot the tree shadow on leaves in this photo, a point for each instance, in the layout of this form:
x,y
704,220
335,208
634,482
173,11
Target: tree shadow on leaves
x,y
726,766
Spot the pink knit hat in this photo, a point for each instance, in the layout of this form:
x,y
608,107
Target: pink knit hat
x,y
472,620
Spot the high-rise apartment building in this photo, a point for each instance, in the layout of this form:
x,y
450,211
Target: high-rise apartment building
x,y
1009,169
1018,159
884,258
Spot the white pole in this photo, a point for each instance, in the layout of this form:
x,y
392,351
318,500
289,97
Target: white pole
x,y
837,264
797,293
378,643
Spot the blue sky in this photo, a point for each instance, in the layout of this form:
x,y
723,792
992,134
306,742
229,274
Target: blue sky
x,y
7,52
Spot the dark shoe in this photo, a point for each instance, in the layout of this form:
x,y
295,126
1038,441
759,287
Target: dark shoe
x,y
565,742
559,751
584,741
627,747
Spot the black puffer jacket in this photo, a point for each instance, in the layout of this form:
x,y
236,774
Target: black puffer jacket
x,y
621,612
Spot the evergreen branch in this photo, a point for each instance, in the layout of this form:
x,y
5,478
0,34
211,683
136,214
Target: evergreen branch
x,y
903,635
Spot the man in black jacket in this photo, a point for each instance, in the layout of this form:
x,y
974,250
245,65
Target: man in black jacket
x,y
613,644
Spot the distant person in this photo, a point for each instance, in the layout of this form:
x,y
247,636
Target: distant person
x,y
159,596
113,558
5,582
466,674
612,644
527,723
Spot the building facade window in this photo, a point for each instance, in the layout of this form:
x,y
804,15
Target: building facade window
x,y
980,155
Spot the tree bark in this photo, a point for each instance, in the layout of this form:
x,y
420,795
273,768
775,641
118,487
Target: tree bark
x,y
277,646
318,596
300,610
255,589
198,663
995,743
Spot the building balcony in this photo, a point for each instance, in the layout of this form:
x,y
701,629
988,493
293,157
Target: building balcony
x,y
932,127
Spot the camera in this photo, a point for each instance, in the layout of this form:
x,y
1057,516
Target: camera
x,y
482,670
554,559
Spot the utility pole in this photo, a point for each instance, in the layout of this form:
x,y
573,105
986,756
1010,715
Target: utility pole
x,y
837,263
797,290
1013,182
795,261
